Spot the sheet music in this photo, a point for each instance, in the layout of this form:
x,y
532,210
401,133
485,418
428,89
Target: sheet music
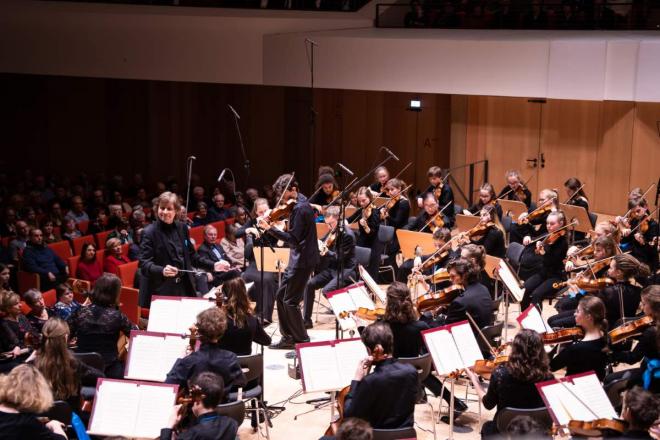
x,y
360,297
553,396
349,354
591,392
375,288
467,345
531,319
162,313
568,400
341,302
115,408
145,358
510,281
190,308
443,350
154,408
319,368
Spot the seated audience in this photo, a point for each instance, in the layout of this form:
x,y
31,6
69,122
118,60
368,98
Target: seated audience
x,y
212,257
89,268
49,232
41,259
202,217
234,247
38,313
5,277
65,304
19,243
218,210
70,229
120,230
77,211
113,256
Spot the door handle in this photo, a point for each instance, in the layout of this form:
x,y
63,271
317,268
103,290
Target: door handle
x,y
533,162
542,161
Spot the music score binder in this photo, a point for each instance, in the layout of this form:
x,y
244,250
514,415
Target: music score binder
x,y
531,319
151,355
175,314
453,347
349,299
372,285
329,365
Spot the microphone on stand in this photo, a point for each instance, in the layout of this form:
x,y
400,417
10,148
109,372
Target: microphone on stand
x,y
312,42
345,169
234,111
394,156
222,174
192,158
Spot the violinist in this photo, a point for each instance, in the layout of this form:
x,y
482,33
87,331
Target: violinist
x,y
407,329
397,214
576,197
486,197
475,299
623,298
589,353
512,384
211,325
326,191
386,397
381,175
209,425
515,189
532,224
303,258
604,247
640,233
602,229
489,232
423,223
442,193
647,349
368,219
552,251
641,409
476,254
325,276
441,237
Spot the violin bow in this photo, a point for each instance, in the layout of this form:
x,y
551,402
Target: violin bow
x,y
643,195
435,216
524,185
483,337
402,170
341,193
440,250
646,217
544,236
286,188
574,194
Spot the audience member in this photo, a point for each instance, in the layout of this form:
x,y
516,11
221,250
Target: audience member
x,y
65,305
113,256
41,259
77,211
89,268
38,313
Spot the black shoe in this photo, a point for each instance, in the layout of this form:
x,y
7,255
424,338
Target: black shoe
x,y
445,419
309,324
284,344
460,407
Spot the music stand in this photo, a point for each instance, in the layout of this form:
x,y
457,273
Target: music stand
x,y
578,213
466,222
512,208
410,240
274,261
512,286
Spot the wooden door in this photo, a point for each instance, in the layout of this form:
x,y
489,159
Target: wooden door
x,y
644,168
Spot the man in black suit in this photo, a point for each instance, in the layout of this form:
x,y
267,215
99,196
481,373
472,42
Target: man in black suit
x,y
301,237
386,397
326,274
211,253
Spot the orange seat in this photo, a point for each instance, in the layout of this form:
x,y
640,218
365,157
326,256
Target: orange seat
x,y
100,257
192,214
124,249
78,243
229,221
197,234
28,280
220,226
128,304
62,249
50,297
79,286
24,308
101,239
72,262
127,273
83,226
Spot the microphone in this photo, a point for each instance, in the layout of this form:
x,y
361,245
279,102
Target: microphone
x,y
312,42
222,174
345,169
390,153
233,111
192,158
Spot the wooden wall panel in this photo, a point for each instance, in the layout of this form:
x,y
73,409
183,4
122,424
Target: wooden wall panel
x,y
458,137
610,189
645,168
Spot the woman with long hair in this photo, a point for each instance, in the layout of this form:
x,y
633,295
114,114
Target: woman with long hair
x,y
89,268
512,384
24,393
493,237
588,354
476,254
243,328
63,372
487,197
622,299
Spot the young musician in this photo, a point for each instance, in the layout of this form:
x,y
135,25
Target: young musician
x,y
576,197
253,238
622,299
326,190
476,255
304,256
552,251
640,237
442,193
397,215
589,353
164,251
368,218
24,393
512,384
641,409
648,347
421,222
515,189
97,326
243,328
211,325
531,224
386,397
209,425
381,175
63,372
492,238
441,236
326,275
487,197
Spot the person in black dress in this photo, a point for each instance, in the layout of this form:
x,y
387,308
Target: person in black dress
x,y
166,248
552,252
304,256
14,326
243,328
441,237
326,190
512,384
97,327
641,411
589,354
476,254
397,216
381,175
640,238
492,239
211,325
576,197
515,189
622,299
442,193
24,393
208,425
368,220
487,197
386,397
38,313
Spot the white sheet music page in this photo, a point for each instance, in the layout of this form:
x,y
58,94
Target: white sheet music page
x,y
319,368
467,345
591,392
145,358
154,409
373,286
190,308
553,395
163,315
349,354
442,347
115,408
340,302
360,297
511,281
531,319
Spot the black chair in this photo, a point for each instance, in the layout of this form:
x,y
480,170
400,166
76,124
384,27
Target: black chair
x,y
506,223
93,360
60,411
362,255
394,434
493,334
423,364
593,218
506,415
614,390
234,410
385,237
253,368
513,254
458,209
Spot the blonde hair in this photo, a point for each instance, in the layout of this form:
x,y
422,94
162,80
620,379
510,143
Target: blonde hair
x,y
112,242
26,390
55,361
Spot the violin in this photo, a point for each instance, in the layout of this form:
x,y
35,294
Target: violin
x,y
393,201
325,245
442,297
366,213
194,333
545,208
479,230
484,368
436,222
370,315
186,401
630,329
550,239
432,261
519,193
596,428
281,212
586,283
439,276
564,335
341,403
